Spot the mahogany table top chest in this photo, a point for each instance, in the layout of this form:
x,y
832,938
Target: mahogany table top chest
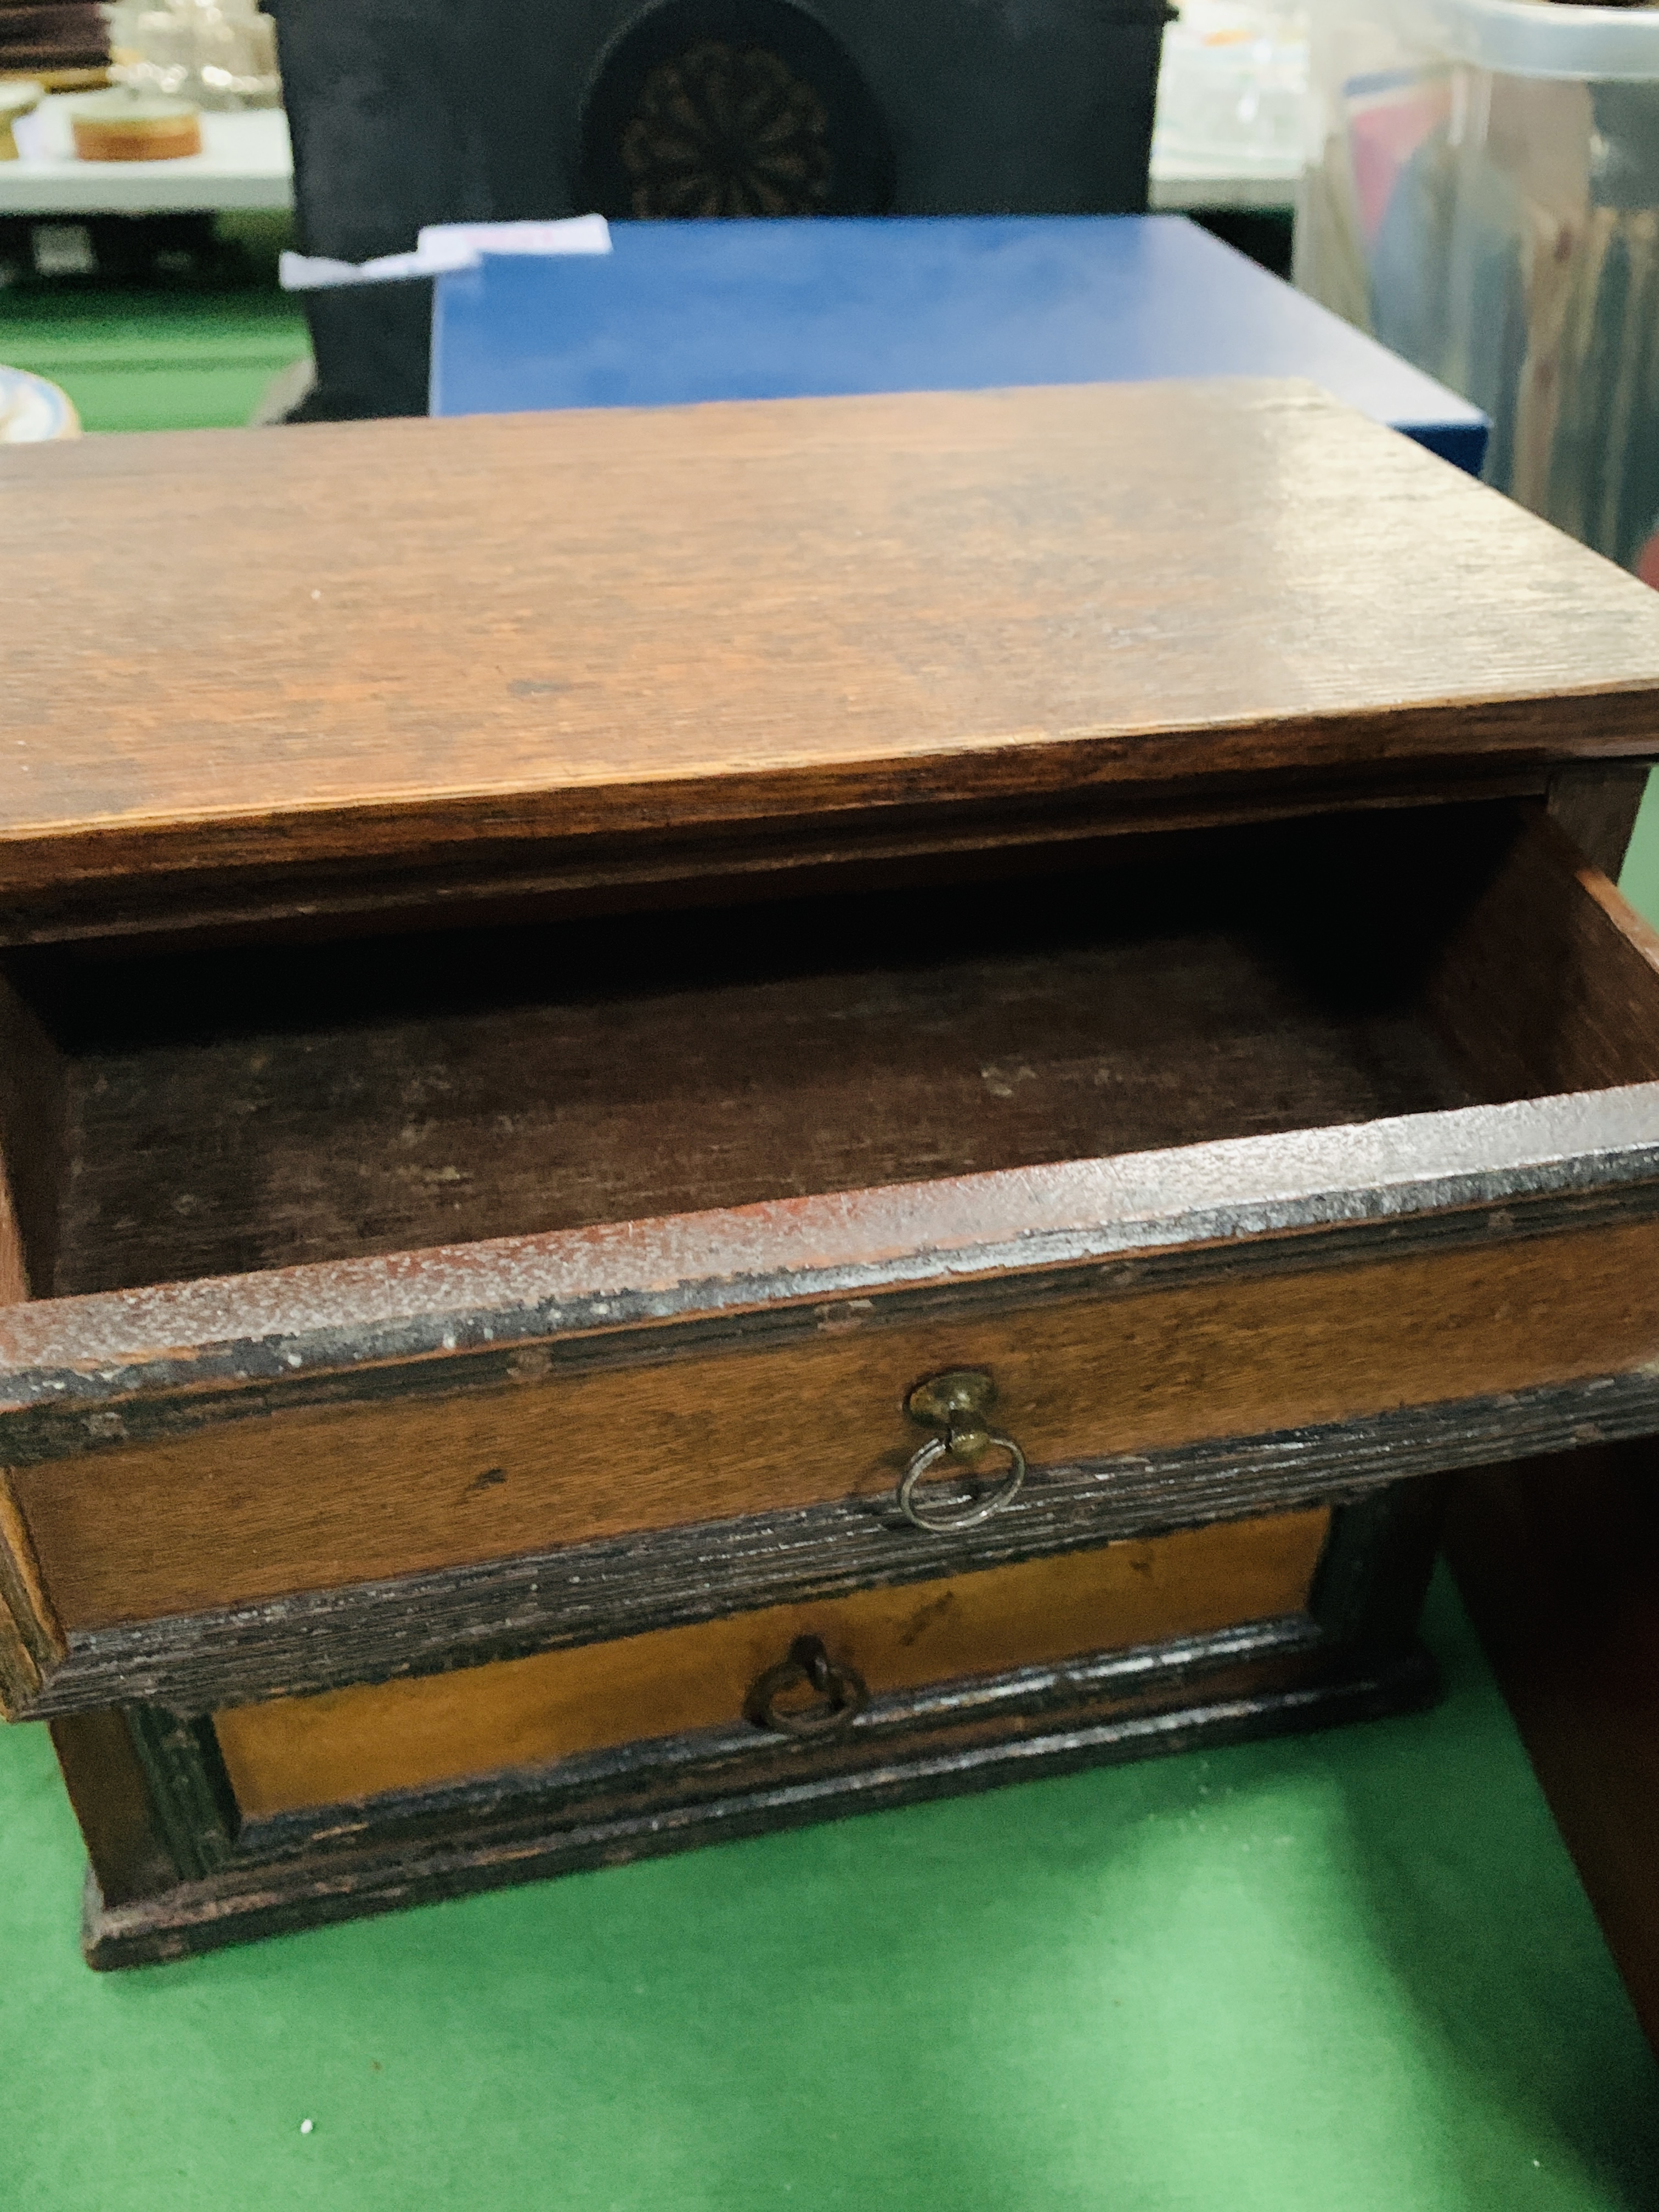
x,y
712,1116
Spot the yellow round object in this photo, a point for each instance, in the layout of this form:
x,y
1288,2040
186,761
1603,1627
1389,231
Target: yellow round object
x,y
122,125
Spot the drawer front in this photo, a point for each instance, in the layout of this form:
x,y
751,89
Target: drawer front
x,y
257,1819
293,1754
352,1543
323,1498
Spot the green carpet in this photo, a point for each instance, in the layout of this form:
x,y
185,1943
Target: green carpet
x,y
153,360
1346,1973
193,348
1640,880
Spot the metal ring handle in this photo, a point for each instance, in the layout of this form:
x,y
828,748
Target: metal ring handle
x,y
943,1522
808,1666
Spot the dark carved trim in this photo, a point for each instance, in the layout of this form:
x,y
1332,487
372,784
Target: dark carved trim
x,y
330,1861
589,1299
27,1659
190,1797
624,1586
1374,1572
32,1642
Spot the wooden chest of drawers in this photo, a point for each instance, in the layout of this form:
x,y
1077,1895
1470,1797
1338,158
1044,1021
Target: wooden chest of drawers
x,y
717,1116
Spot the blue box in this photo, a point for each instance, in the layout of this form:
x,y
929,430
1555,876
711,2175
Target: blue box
x,y
680,312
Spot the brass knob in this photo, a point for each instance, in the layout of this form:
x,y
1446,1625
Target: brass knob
x,y
957,1403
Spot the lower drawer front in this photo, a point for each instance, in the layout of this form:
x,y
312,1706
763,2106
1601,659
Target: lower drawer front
x,y
297,1753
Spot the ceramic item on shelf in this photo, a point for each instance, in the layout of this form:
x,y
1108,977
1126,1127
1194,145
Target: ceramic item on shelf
x,y
18,95
33,411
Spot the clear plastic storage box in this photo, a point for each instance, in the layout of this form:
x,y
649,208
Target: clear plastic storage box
x,y
1483,196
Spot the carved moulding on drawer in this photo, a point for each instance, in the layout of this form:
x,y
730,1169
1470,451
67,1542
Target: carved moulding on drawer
x,y
1509,1247
285,1858
500,1609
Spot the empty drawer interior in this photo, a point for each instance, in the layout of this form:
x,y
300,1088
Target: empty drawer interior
x,y
211,1111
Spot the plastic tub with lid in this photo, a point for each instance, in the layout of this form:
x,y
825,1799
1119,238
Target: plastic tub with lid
x,y
1483,196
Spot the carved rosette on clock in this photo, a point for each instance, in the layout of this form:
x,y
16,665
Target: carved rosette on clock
x,y
757,110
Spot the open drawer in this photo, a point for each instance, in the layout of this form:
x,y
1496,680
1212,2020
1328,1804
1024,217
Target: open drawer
x,y
426,1300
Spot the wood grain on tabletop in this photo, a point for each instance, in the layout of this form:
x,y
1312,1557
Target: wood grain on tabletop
x,y
396,639
402,1735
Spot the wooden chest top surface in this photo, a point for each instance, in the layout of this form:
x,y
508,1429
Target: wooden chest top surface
x,y
392,642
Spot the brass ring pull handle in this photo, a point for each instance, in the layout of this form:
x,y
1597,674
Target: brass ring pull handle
x,y
808,1667
957,1403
